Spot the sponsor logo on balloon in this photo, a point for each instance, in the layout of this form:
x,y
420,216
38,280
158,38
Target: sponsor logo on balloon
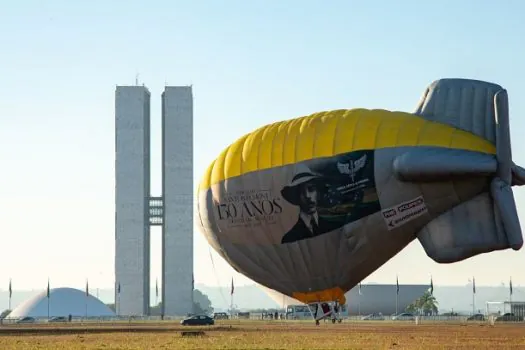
x,y
389,213
404,212
407,206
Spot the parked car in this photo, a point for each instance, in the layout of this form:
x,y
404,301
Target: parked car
x,y
377,316
476,317
58,319
509,317
198,320
405,316
26,320
220,316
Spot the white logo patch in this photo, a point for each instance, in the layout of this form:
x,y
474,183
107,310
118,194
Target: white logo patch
x,y
352,167
402,213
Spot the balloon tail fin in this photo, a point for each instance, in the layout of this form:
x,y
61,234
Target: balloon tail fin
x,y
489,221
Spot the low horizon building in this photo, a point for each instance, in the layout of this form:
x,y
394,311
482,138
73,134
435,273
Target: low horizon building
x,y
374,298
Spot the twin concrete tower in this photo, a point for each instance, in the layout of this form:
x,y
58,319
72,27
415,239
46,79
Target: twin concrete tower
x,y
136,210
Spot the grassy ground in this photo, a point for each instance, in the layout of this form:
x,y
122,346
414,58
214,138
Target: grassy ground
x,y
265,336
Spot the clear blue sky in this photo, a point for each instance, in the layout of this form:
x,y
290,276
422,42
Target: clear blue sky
x,y
250,63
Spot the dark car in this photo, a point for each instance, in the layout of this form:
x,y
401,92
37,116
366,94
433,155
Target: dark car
x,y
58,319
476,317
509,317
26,320
198,320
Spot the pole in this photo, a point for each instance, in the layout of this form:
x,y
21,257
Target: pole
x,y
117,301
510,298
510,293
10,293
48,297
473,303
157,293
231,306
397,294
473,295
231,294
87,297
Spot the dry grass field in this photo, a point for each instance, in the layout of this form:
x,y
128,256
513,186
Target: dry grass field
x,y
265,336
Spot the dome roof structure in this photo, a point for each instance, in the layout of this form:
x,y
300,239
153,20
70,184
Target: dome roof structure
x,y
62,302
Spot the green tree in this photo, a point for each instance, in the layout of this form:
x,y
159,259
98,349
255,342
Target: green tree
x,y
201,305
412,308
4,313
426,305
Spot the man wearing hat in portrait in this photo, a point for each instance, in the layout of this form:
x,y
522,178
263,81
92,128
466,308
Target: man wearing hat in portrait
x,y
303,192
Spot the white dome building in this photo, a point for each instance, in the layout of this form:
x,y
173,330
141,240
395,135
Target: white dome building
x,y
62,302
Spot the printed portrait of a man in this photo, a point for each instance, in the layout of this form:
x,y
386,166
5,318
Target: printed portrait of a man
x,y
304,191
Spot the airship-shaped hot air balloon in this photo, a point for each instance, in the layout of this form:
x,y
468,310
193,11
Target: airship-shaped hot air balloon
x,y
311,206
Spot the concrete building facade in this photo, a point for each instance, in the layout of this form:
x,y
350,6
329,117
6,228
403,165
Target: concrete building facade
x,y
177,189
136,210
132,191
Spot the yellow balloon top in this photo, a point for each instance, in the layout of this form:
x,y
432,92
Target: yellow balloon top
x,y
330,133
